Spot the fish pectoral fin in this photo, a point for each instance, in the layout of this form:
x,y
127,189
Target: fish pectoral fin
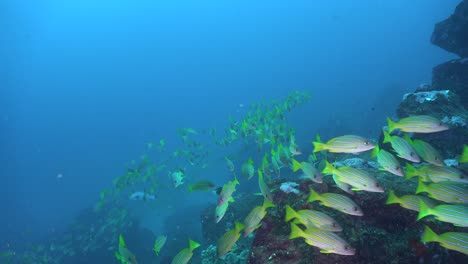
x,y
356,189
326,251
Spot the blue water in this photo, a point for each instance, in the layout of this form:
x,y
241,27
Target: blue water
x,y
84,85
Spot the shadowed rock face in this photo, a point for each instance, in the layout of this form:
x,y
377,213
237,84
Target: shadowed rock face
x,y
452,33
452,75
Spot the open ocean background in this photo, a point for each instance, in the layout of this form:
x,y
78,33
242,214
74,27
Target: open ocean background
x,y
84,85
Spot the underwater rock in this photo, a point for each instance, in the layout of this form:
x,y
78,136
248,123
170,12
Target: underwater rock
x,y
451,34
210,256
452,75
444,105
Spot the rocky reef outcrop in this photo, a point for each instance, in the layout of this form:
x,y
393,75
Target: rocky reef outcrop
x,y
451,34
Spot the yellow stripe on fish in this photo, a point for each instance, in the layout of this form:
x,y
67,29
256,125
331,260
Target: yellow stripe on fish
x,y
336,201
410,202
417,124
184,256
311,218
253,219
451,240
403,149
327,242
427,152
228,240
449,192
387,161
359,179
454,214
344,144
436,173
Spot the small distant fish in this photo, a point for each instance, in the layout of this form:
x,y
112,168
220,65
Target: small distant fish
x,y
230,164
344,144
311,218
359,179
253,219
124,255
327,242
309,170
184,256
417,124
226,192
410,202
228,240
451,240
449,192
387,161
248,169
449,213
264,189
158,244
142,196
336,201
427,152
435,173
202,185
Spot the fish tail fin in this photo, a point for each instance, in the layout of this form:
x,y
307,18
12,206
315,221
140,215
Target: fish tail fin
x,y
410,171
296,165
267,204
238,226
296,232
314,196
375,151
193,244
391,125
387,137
117,255
328,168
429,235
421,186
424,210
190,188
392,198
290,213
121,241
408,139
319,146
317,138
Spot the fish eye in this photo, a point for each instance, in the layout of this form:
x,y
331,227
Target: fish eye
x,y
436,158
366,143
334,224
411,154
346,247
397,168
355,208
377,185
